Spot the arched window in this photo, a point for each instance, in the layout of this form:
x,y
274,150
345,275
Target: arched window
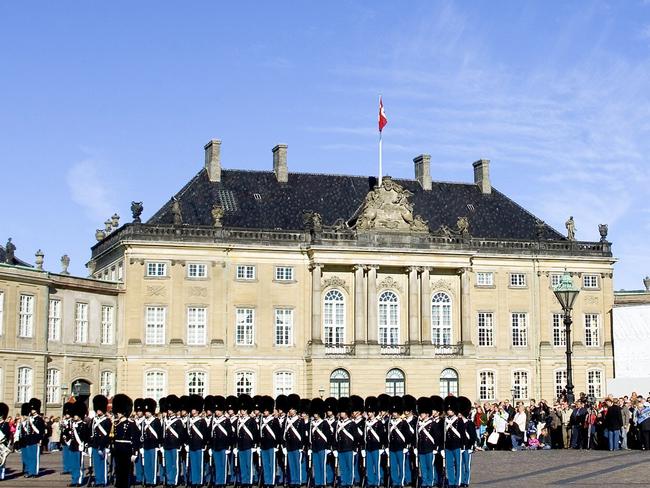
x,y
448,382
283,382
196,381
520,384
441,319
154,384
24,384
388,318
487,385
395,382
107,383
334,318
245,383
595,383
339,383
53,393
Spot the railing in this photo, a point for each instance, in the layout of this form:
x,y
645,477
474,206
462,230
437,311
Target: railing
x,y
339,349
443,349
394,349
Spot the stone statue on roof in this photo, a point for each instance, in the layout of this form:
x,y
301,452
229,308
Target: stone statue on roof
x,y
10,252
570,229
176,211
217,214
136,211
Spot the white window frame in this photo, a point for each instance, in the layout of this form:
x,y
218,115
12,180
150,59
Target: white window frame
x,y
283,327
107,383
334,317
441,319
284,273
200,379
448,377
24,384
591,281
155,269
485,328
554,279
340,383
484,385
197,271
155,383
197,325
395,382
26,315
484,278
388,315
245,382
521,384
519,329
246,272
558,331
517,280
592,331
53,388
54,320
81,322
283,382
561,384
593,388
155,318
245,326
108,324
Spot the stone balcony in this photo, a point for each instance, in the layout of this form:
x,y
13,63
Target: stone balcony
x,y
365,350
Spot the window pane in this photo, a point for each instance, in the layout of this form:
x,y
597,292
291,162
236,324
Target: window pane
x,y
54,320
155,384
196,326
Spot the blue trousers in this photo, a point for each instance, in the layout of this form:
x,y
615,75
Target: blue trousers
x,y
357,468
427,470
329,473
295,470
346,468
138,469
438,470
453,461
207,470
171,467
268,466
232,475
150,470
613,436
407,469
65,453
374,473
246,469
318,463
76,468
98,457
31,459
220,467
195,474
465,467
397,465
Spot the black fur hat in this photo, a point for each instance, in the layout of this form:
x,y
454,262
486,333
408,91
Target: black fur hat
x,y
4,410
257,403
232,403
100,402
317,407
293,402
344,405
397,405
208,403
245,402
173,403
219,403
282,403
196,403
67,408
138,405
122,404
409,403
267,404
25,410
384,402
163,405
184,403
464,406
332,405
35,404
80,409
437,403
356,403
305,405
424,405
451,403
150,405
372,404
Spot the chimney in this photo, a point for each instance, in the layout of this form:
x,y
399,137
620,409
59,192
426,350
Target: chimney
x,y
482,175
422,170
213,159
280,163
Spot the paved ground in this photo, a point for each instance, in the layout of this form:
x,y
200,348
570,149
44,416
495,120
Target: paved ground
x,y
503,469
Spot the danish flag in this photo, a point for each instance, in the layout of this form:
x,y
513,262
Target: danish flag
x,y
382,115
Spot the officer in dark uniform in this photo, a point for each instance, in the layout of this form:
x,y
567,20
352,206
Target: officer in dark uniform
x,y
152,435
99,440
470,439
126,440
281,409
66,437
428,443
197,439
411,422
321,441
208,408
174,435
138,406
247,441
270,436
357,404
347,443
385,404
221,440
454,432
331,410
437,416
80,437
398,432
32,441
294,438
375,443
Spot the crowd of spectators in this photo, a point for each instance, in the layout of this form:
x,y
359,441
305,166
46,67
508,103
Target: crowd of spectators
x,y
613,423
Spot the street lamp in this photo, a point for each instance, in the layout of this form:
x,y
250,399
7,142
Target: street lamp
x,y
566,294
321,391
513,392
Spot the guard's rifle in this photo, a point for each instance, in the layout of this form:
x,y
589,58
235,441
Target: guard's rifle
x,y
309,467
90,469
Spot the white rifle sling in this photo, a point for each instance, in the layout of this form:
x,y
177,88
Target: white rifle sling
x,y
372,430
243,426
293,429
394,428
169,428
97,425
344,430
423,429
195,428
316,429
265,425
217,424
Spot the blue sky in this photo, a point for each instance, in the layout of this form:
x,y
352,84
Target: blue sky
x,y
102,104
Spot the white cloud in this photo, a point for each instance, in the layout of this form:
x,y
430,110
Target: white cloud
x,y
88,189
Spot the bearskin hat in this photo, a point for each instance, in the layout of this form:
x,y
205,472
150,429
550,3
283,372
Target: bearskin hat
x,y
163,405
100,402
25,410
67,408
384,402
80,409
232,402
122,404
372,404
397,405
317,407
208,403
219,403
195,403
437,403
173,403
138,405
149,405
305,405
451,403
245,402
267,404
424,405
344,405
257,403
464,406
35,404
184,403
293,402
356,403
409,403
331,405
282,402
4,410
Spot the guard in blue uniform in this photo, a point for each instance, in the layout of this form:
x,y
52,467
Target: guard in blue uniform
x,y
221,440
80,437
138,463
66,437
126,440
331,409
208,409
281,408
5,435
99,440
152,435
398,432
454,433
356,405
375,443
470,439
294,441
385,404
174,434
232,412
270,436
31,441
410,470
247,441
321,441
428,443
437,417
197,438
305,457
347,442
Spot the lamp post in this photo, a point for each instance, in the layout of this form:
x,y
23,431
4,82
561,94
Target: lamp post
x,y
566,294
321,391
513,392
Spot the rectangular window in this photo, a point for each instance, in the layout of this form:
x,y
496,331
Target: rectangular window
x,y
245,328
24,385
485,329
592,330
54,320
120,271
519,329
244,383
108,324
81,323
284,273
283,327
245,272
107,384
155,325
154,384
560,383
196,325
283,383
197,270
595,383
590,281
2,309
196,381
53,394
517,280
520,385
26,316
559,332
113,274
555,279
156,269
484,279
486,387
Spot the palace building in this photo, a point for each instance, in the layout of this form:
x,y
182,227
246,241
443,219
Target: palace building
x,y
320,284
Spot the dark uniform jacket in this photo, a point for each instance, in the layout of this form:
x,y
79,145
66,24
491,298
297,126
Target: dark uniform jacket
x,y
197,433
375,435
174,433
270,432
411,428
221,437
248,434
80,435
296,433
470,435
429,436
454,429
398,434
347,436
321,435
36,430
152,433
127,437
100,431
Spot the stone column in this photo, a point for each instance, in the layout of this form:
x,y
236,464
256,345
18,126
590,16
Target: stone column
x,y
465,312
359,323
414,326
425,303
372,303
316,299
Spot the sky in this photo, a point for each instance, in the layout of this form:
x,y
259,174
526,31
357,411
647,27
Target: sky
x,y
102,103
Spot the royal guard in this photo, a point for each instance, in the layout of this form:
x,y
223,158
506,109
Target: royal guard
x,y
247,441
5,437
293,438
126,440
66,436
398,431
221,440
99,440
331,410
385,404
410,474
197,437
80,437
357,406
375,443
454,440
208,408
437,417
270,436
281,409
347,442
138,464
232,412
428,443
184,461
31,443
152,435
305,458
470,439
173,438
321,441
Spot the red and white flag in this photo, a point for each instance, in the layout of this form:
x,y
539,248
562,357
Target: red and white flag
x,y
382,115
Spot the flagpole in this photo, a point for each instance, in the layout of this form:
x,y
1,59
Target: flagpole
x,y
380,168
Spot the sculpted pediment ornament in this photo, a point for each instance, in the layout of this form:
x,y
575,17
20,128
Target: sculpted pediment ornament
x,y
389,282
335,282
387,207
441,285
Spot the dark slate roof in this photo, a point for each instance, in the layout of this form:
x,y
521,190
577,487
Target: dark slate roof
x,y
17,262
255,200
